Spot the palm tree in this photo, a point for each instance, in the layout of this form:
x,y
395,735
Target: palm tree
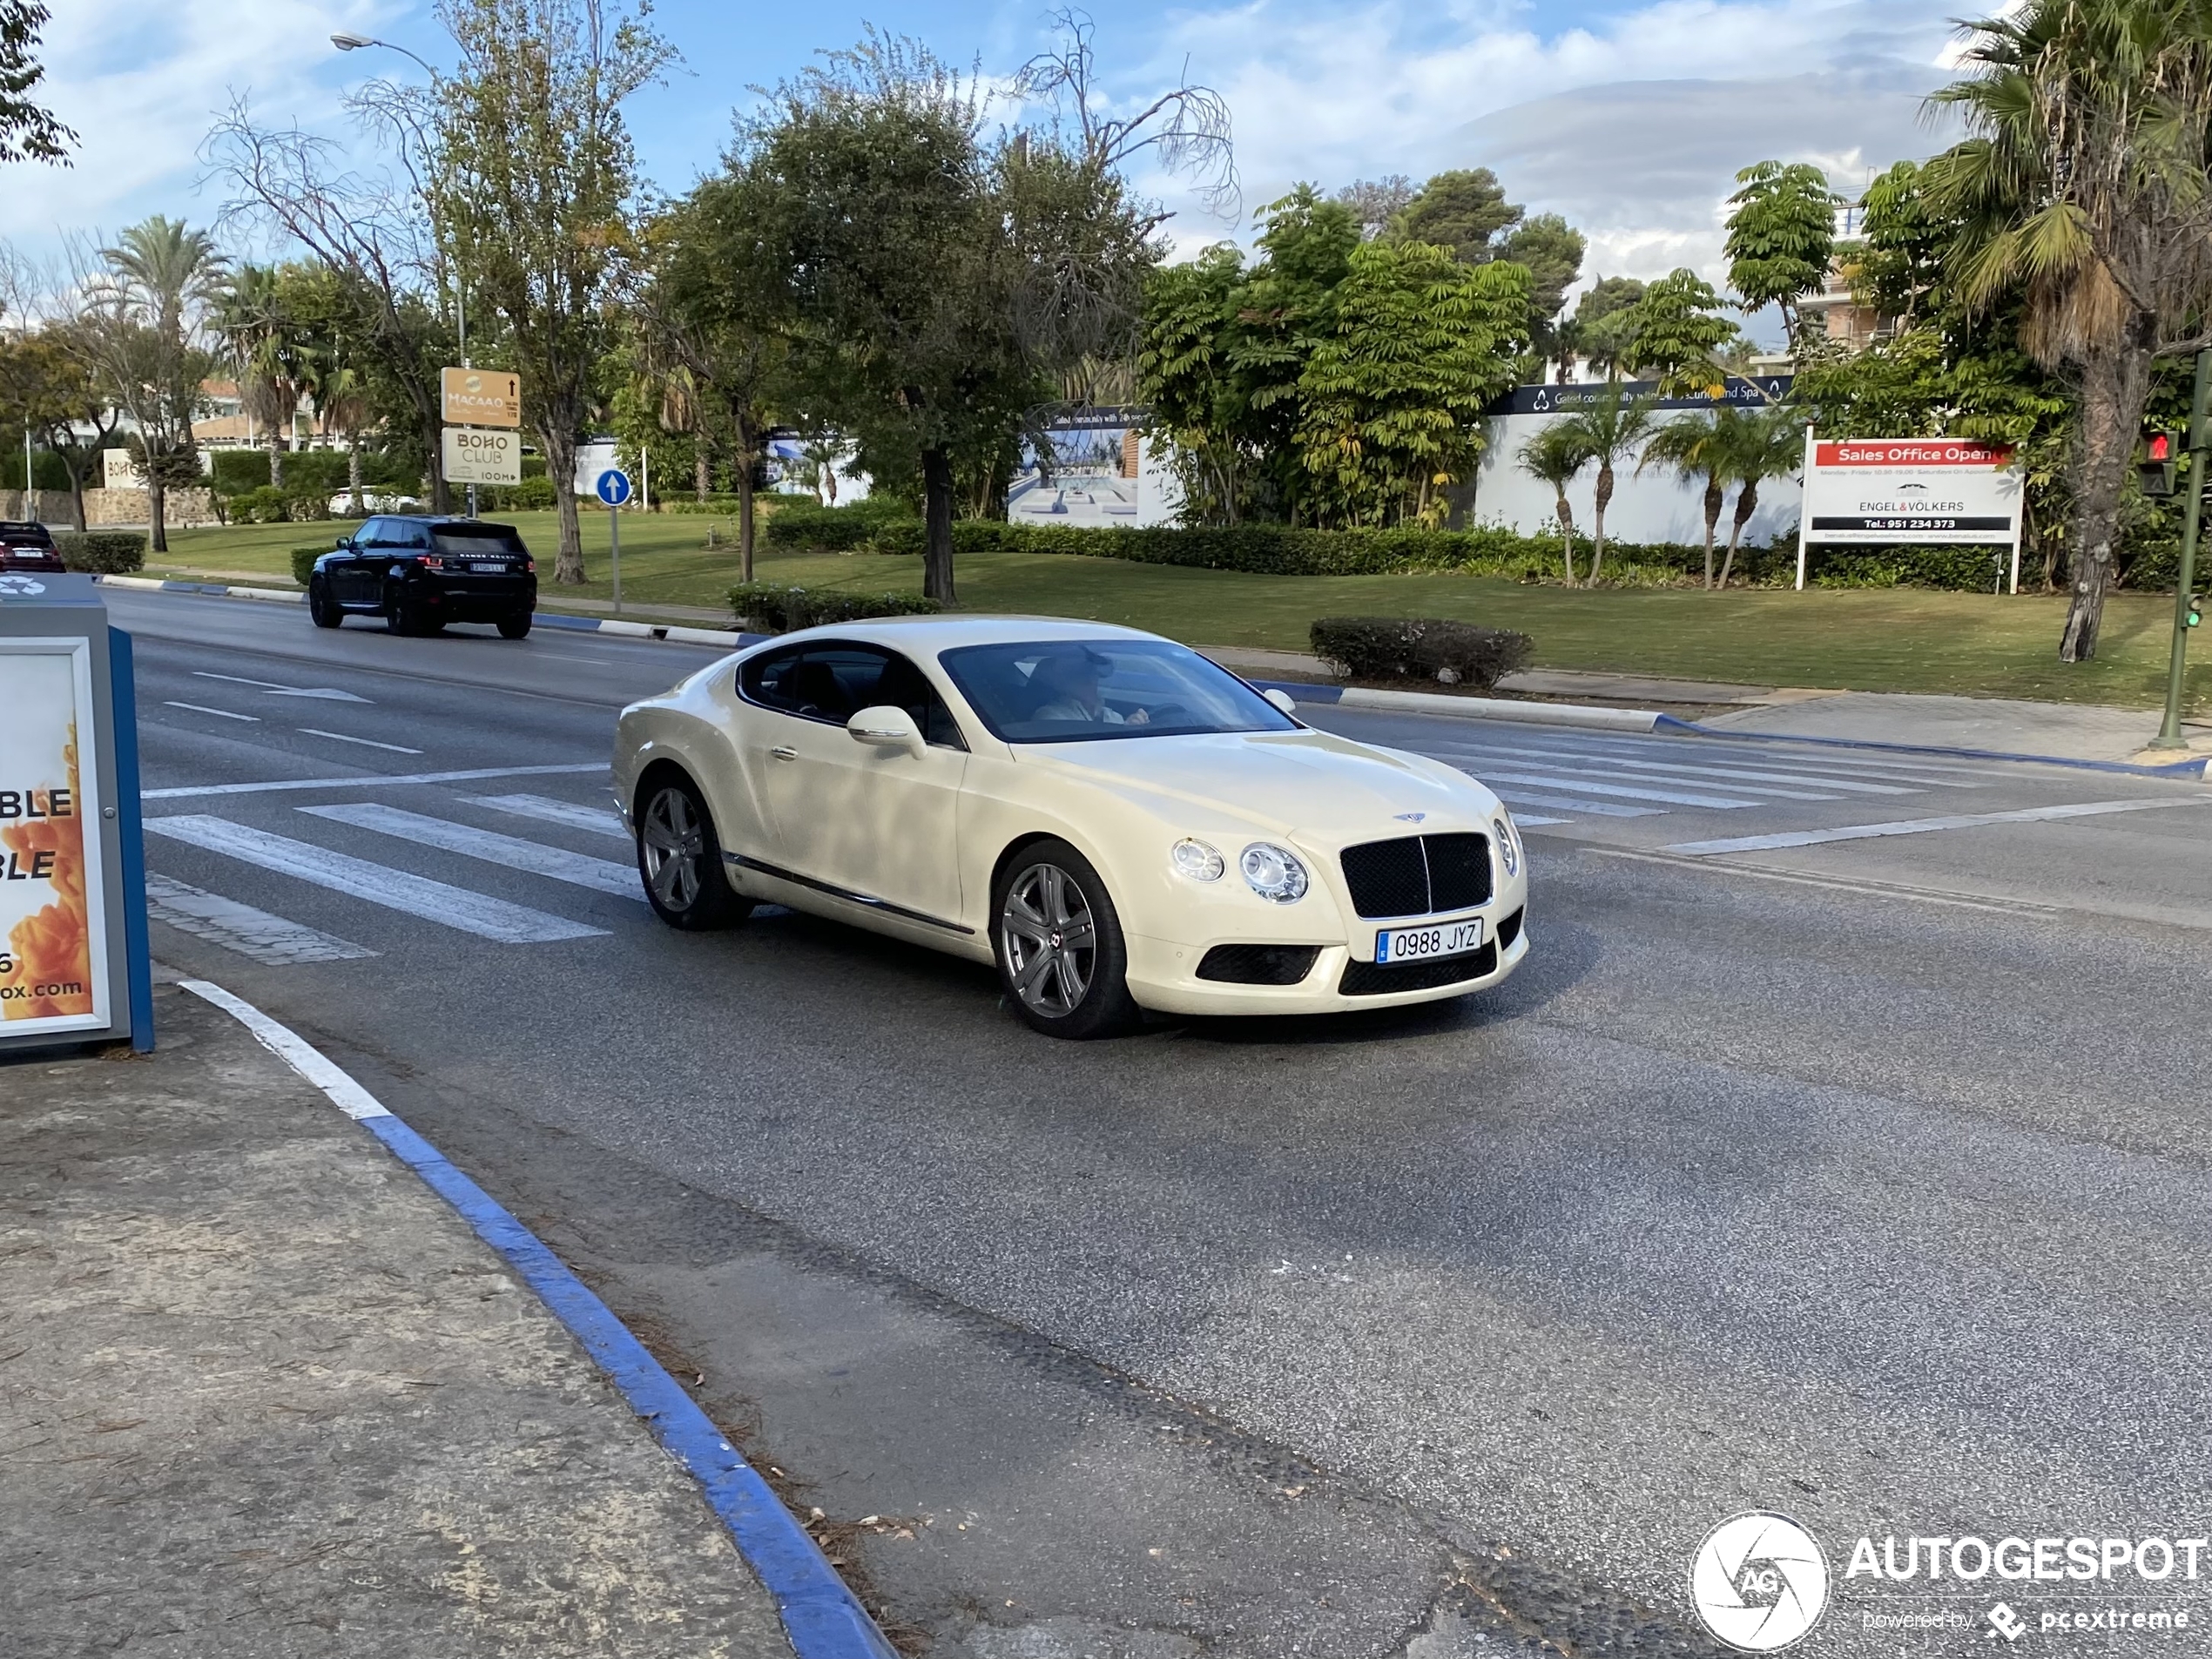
x,y
340,396
2081,188
266,354
1554,457
1609,427
1769,444
166,270
1695,449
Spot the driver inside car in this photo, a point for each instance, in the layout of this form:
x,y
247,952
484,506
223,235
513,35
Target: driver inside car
x,y
1070,684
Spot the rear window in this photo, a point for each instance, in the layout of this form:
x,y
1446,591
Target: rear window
x,y
478,544
20,535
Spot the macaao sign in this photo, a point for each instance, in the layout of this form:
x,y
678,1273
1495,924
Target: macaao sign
x,y
1883,492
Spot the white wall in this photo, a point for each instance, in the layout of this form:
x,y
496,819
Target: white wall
x,y
1647,507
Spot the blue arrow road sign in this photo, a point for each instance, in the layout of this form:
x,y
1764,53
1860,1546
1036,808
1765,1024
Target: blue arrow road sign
x,y
613,486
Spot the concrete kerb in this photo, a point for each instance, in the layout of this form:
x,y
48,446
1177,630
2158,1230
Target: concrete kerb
x,y
1608,719
821,1616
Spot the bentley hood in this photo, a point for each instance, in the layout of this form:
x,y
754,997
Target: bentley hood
x,y
1292,783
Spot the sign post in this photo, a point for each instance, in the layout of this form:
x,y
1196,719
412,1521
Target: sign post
x,y
1878,492
2200,439
613,488
74,965
473,399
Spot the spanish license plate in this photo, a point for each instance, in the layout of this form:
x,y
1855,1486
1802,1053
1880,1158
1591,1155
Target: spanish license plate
x,y
488,569
1413,944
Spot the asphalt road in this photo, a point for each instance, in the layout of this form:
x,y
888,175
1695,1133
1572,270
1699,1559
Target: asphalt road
x,y
1856,1176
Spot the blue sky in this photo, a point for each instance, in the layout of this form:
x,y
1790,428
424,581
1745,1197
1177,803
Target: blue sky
x,y
1628,116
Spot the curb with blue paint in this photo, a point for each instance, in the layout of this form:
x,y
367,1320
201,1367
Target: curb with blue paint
x,y
821,1616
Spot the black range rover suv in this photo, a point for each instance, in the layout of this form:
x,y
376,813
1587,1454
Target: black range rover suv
x,y
419,574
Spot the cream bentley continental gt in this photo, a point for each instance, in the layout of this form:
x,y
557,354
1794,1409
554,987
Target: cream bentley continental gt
x,y
1114,820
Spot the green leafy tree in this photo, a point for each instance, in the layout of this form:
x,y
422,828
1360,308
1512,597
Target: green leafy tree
x,y
28,130
266,347
47,385
530,172
1392,401
1556,455
1675,332
2082,188
1607,426
1896,265
1195,394
1603,324
1781,237
1462,210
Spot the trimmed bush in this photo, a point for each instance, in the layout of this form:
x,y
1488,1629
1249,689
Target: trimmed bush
x,y
782,608
1405,648
303,560
799,524
102,552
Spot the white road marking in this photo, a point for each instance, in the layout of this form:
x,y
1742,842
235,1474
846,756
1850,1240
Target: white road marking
x,y
345,1094
221,714
241,928
370,780
509,851
1875,889
449,907
366,742
1584,785
596,821
1921,825
1529,820
1849,787
324,693
1600,808
1828,758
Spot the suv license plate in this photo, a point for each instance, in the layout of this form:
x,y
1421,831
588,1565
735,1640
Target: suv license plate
x,y
1413,944
488,569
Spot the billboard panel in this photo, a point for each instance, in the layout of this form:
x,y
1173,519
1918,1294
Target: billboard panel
x,y
53,907
1882,491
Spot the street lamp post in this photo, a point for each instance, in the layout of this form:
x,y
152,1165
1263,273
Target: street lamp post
x,y
2200,447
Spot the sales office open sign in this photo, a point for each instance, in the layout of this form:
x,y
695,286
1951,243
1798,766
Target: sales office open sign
x,y
53,969
1877,490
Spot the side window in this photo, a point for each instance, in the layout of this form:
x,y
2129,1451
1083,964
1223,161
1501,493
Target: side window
x,y
905,686
765,679
408,532
371,533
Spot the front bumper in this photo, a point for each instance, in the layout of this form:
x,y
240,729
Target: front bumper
x,y
1163,976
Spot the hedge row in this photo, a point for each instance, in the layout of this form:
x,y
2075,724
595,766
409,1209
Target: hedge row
x,y
102,552
1278,549
781,607
1395,647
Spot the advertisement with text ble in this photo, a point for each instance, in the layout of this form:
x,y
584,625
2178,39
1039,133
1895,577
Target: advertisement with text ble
x,y
52,932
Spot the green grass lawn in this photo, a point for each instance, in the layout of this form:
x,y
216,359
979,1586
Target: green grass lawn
x,y
1878,640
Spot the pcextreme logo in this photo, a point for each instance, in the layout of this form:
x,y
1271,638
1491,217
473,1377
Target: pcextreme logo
x,y
1759,1582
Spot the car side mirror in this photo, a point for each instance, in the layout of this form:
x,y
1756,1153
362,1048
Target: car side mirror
x,y
344,541
887,727
1281,700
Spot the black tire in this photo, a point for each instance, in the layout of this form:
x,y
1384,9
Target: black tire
x,y
1060,986
402,618
679,858
515,627
322,609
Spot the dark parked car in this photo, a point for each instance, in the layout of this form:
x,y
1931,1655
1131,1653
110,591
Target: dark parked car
x,y
419,574
28,547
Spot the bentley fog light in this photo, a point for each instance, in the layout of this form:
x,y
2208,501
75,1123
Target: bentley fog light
x,y
1509,843
1197,860
1273,873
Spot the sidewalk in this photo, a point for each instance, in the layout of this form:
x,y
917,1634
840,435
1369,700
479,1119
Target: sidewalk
x,y
263,1394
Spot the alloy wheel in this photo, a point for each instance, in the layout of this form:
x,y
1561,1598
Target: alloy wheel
x,y
1050,939
673,846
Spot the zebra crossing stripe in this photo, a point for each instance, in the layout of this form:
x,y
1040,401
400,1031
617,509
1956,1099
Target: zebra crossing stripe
x,y
1517,795
1922,825
369,780
377,884
1585,785
595,821
241,928
511,851
1726,774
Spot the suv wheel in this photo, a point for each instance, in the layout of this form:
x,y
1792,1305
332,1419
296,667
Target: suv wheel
x,y
515,627
1058,944
680,860
322,611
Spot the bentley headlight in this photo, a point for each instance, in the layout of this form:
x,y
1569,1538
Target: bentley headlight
x,y
1509,843
1274,873
1196,860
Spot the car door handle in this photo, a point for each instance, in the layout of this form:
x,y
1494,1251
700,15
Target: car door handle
x,y
784,752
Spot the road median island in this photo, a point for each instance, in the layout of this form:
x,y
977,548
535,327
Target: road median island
x,y
266,1393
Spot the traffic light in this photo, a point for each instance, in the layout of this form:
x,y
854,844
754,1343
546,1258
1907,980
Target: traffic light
x,y
2155,467
2194,612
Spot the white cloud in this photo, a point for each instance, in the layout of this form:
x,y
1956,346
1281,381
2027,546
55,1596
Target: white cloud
x,y
140,84
1633,128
